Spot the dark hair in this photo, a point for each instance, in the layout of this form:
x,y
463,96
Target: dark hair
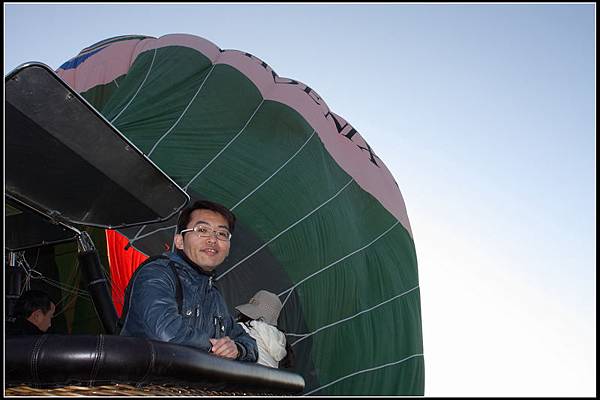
x,y
32,300
184,217
243,318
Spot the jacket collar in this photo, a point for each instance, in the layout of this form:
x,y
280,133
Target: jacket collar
x,y
181,255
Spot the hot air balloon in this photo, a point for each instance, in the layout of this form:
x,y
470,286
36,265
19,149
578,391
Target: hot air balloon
x,y
321,220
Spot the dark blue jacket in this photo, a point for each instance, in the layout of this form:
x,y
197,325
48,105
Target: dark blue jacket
x,y
153,308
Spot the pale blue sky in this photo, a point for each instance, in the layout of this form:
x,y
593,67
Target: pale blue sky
x,y
484,114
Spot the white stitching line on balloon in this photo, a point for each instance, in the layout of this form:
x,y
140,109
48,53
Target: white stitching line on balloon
x,y
274,173
225,147
285,230
139,88
306,335
183,113
138,236
291,289
364,370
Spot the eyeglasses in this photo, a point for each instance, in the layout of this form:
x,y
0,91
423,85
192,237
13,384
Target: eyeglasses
x,y
204,231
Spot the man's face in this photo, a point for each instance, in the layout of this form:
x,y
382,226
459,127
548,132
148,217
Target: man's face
x,y
208,252
41,320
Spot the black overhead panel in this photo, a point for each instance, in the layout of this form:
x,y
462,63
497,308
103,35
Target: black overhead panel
x,y
68,162
25,228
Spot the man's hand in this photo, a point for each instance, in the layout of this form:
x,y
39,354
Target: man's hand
x,y
224,347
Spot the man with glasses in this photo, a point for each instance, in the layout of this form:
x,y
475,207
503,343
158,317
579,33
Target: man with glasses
x,y
172,297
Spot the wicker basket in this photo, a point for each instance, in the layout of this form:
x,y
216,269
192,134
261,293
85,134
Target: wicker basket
x,y
120,390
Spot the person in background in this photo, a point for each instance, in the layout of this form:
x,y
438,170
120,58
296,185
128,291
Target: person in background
x,y
34,312
259,318
173,297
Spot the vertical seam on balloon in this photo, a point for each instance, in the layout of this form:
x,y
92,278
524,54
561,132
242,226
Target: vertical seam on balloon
x,y
333,263
183,113
226,146
285,230
138,236
139,88
305,335
274,173
364,370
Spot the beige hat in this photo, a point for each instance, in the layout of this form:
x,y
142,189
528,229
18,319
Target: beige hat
x,y
264,305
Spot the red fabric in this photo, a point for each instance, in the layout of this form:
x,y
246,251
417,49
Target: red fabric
x,y
122,264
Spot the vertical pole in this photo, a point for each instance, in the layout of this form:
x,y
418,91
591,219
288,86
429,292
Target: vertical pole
x,y
14,285
89,262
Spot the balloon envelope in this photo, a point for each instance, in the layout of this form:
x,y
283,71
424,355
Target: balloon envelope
x,y
321,221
